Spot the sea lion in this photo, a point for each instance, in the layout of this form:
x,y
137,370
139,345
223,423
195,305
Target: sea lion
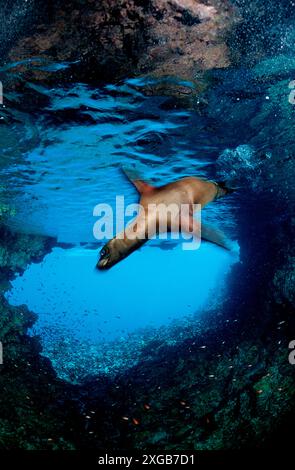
x,y
189,191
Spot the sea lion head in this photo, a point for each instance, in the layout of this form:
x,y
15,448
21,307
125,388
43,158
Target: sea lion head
x,y
109,255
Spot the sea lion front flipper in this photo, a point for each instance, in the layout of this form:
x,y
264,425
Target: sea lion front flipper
x,y
135,178
205,232
215,236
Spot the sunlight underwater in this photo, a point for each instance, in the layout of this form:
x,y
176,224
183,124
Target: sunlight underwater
x,y
85,137
199,336
149,288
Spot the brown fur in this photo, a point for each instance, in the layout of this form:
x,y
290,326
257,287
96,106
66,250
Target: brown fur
x,y
190,190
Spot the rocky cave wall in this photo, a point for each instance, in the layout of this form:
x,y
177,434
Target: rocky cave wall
x,y
237,390
119,38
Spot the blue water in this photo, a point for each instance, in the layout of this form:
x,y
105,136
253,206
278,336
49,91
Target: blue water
x,y
83,312
84,136
61,161
150,288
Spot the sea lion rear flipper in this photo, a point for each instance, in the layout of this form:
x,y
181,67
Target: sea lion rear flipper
x,y
136,179
224,188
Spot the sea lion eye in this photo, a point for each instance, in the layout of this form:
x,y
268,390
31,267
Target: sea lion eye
x,y
104,252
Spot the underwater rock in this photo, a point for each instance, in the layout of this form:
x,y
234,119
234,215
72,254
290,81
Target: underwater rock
x,y
233,393
268,26
111,39
31,396
18,18
284,280
17,250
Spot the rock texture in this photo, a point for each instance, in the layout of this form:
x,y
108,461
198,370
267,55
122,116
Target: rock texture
x,y
18,18
111,39
27,380
228,386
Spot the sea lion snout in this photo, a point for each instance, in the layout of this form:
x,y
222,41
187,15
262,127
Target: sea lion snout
x,y
103,262
108,256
